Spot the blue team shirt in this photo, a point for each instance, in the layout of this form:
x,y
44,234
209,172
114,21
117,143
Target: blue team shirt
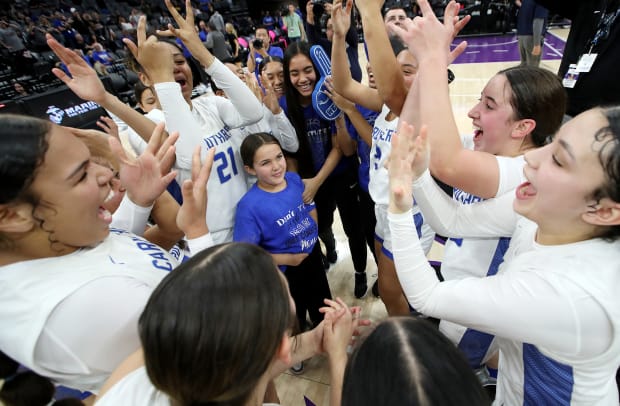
x,y
319,133
279,222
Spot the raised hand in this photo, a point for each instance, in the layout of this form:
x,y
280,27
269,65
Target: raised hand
x,y
366,6
154,56
343,103
147,176
108,126
408,160
83,81
187,33
191,217
252,83
427,37
270,99
341,17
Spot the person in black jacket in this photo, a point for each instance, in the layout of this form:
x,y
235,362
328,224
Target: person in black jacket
x,y
595,30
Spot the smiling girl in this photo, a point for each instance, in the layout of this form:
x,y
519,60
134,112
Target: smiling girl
x,y
273,215
329,173
554,303
204,121
518,109
397,72
72,288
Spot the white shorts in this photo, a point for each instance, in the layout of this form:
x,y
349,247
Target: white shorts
x,y
382,230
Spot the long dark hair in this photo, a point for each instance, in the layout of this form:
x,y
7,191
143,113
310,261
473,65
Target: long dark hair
x,y
406,361
295,111
23,145
212,327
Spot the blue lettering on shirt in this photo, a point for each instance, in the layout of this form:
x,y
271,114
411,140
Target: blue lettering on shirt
x,y
463,198
217,139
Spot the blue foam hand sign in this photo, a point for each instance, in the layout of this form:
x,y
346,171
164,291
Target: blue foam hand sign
x,y
321,103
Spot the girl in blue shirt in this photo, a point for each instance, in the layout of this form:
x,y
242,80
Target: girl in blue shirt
x,y
273,215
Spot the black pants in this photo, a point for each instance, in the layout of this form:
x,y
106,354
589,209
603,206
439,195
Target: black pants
x,y
340,190
367,209
308,284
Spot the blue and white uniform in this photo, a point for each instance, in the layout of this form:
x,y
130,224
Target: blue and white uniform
x,y
477,257
208,124
279,222
136,389
379,184
74,318
277,125
545,303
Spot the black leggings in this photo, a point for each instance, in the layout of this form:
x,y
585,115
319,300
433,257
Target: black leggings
x,y
308,284
340,190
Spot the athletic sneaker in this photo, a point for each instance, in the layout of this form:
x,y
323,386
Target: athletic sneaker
x,y
360,285
325,262
297,368
488,382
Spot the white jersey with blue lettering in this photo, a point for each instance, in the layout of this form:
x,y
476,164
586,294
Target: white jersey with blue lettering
x,y
379,183
74,318
477,257
136,389
138,145
208,124
382,132
555,308
277,125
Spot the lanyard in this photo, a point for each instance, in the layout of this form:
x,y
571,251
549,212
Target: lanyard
x,y
603,28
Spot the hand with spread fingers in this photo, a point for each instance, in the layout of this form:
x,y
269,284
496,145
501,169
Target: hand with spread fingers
x,y
186,32
408,160
426,36
191,217
83,81
147,177
341,17
154,56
